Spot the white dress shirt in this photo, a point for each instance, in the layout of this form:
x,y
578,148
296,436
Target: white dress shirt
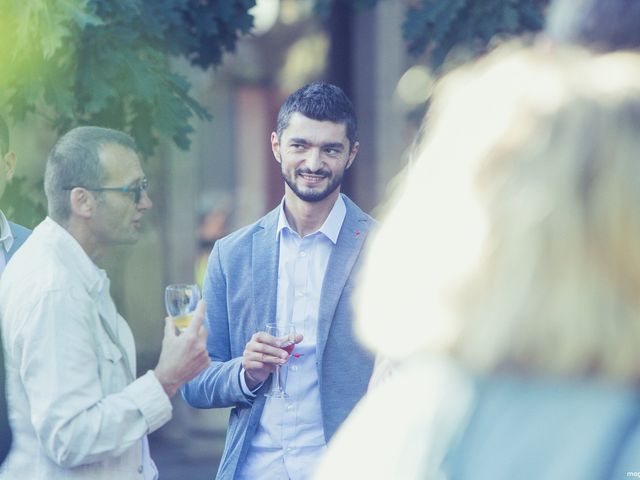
x,y
6,241
75,409
290,436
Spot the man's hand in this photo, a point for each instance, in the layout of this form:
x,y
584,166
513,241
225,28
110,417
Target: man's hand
x,y
182,356
261,355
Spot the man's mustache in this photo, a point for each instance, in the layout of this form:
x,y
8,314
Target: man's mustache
x,y
319,173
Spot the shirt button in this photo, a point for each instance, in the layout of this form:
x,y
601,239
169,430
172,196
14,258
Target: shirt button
x,y
303,254
290,407
140,469
299,294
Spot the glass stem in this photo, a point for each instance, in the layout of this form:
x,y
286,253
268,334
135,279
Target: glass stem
x,y
276,379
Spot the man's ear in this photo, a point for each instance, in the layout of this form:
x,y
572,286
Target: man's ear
x,y
10,164
352,154
275,147
83,203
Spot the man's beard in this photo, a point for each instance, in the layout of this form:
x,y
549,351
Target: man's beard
x,y
313,195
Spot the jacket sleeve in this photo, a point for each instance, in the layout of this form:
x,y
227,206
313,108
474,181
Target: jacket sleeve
x,y
59,368
219,384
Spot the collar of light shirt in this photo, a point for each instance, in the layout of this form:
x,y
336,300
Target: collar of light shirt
x,y
6,237
6,240
331,226
93,277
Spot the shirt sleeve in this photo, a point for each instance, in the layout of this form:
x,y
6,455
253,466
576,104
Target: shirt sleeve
x,y
245,389
60,370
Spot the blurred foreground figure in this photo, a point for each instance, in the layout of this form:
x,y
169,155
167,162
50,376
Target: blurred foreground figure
x,y
512,293
77,410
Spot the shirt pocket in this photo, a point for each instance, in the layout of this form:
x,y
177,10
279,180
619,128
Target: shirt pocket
x,y
112,368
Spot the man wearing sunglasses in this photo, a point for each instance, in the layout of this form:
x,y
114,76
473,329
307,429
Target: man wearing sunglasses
x,y
77,410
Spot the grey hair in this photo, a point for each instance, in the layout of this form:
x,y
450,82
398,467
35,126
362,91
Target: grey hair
x,y
319,101
75,161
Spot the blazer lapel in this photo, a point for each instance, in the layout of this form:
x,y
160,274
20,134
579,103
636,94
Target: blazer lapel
x,y
264,267
345,253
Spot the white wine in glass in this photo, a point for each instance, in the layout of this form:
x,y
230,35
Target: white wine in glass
x,y
181,300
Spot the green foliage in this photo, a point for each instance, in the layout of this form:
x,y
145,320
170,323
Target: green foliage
x,y
106,62
440,25
18,203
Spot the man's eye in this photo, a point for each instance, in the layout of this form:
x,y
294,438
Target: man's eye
x,y
332,151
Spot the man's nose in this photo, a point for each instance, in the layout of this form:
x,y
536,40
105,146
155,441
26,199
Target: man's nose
x,y
145,202
313,159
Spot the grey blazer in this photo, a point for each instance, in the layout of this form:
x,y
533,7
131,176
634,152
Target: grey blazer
x,y
240,290
20,234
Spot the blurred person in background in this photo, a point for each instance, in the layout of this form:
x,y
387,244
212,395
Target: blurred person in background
x,y
296,263
511,298
213,224
601,25
77,410
12,236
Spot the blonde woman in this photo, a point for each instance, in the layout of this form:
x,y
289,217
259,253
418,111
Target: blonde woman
x,y
513,293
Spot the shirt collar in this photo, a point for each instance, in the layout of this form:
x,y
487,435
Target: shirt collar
x,y
6,237
94,278
331,226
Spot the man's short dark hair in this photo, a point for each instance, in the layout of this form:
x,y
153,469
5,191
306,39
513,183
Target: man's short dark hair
x,y
319,101
75,161
602,25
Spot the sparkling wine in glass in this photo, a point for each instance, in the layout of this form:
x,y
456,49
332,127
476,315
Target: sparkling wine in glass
x,y
286,334
181,300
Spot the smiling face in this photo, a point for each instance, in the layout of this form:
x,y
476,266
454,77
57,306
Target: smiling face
x,y
117,216
313,157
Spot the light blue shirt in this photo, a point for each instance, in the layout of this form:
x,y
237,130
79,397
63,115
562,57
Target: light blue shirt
x,y
290,436
6,241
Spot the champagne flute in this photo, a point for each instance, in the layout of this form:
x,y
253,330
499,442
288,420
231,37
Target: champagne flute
x,y
181,300
287,335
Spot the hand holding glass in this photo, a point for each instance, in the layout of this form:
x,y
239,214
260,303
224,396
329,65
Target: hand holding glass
x,y
181,300
286,335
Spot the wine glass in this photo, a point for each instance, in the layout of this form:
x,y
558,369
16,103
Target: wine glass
x,y
181,300
286,334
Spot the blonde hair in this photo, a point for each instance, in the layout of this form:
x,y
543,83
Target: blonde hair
x,y
514,242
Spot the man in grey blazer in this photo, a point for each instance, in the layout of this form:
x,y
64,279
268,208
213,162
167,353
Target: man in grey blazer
x,y
296,264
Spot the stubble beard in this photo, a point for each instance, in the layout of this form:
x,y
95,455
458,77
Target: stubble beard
x,y
311,195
